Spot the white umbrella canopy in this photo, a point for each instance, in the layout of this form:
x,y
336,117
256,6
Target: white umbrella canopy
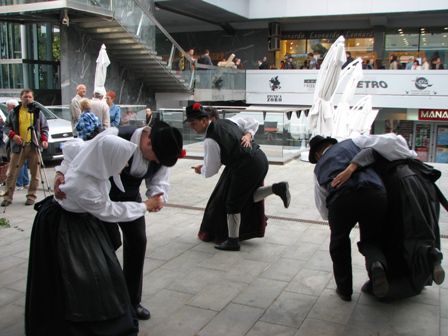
x,y
102,62
362,117
348,81
321,113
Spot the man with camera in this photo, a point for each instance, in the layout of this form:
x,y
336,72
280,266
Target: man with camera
x,y
27,130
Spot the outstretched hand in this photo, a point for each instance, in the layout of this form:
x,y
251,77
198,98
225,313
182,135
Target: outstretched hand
x,y
246,140
197,169
154,203
58,180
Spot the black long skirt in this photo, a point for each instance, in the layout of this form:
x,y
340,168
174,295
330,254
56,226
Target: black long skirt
x,y
238,183
75,283
413,230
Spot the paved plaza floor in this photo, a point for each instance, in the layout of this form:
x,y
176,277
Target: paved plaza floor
x,y
279,285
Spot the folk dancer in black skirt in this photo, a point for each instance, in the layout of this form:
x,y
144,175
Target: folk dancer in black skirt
x,y
75,282
363,200
234,211
411,237
158,148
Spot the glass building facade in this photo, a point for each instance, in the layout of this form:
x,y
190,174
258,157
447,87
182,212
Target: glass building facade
x,y
29,56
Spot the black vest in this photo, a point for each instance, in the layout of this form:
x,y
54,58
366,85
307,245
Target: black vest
x,y
228,136
131,183
334,161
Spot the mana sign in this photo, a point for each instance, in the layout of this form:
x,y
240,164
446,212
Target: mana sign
x,y
432,114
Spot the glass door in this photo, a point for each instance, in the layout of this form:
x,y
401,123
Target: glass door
x,y
422,142
441,144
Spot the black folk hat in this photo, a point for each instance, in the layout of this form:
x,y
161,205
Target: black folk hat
x,y
315,144
166,143
195,111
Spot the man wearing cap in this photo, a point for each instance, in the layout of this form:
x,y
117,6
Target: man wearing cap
x,y
246,167
100,108
159,147
361,200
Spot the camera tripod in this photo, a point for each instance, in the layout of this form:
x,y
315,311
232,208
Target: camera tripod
x,y
34,143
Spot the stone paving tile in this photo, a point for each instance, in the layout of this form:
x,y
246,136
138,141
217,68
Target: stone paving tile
x,y
402,318
267,329
246,271
314,327
444,304
310,282
9,295
186,321
260,293
196,280
289,309
10,315
302,250
284,269
233,320
217,295
162,305
330,308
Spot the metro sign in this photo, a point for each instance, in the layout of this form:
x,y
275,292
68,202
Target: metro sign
x,y
430,114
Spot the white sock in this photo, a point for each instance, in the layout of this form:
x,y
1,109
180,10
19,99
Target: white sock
x,y
262,192
233,224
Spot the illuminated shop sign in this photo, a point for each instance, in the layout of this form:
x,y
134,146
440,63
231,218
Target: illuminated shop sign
x,y
431,114
325,35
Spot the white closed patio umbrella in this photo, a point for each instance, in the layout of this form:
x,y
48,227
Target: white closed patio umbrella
x,y
348,81
362,117
321,113
102,62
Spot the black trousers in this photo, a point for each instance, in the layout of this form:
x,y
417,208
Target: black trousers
x,y
134,249
368,208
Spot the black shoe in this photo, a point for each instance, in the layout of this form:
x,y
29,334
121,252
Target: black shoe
x,y
380,285
345,297
231,244
438,273
367,288
142,313
5,203
282,189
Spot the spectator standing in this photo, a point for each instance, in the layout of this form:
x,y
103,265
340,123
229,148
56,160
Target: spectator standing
x,y
289,63
410,63
263,64
425,64
114,110
205,58
312,63
393,62
75,110
88,125
416,65
437,64
100,108
350,59
23,145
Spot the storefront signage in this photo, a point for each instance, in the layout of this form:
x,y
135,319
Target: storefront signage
x,y
325,35
388,88
430,114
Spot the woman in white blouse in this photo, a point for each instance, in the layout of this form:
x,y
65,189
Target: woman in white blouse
x,y
75,282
